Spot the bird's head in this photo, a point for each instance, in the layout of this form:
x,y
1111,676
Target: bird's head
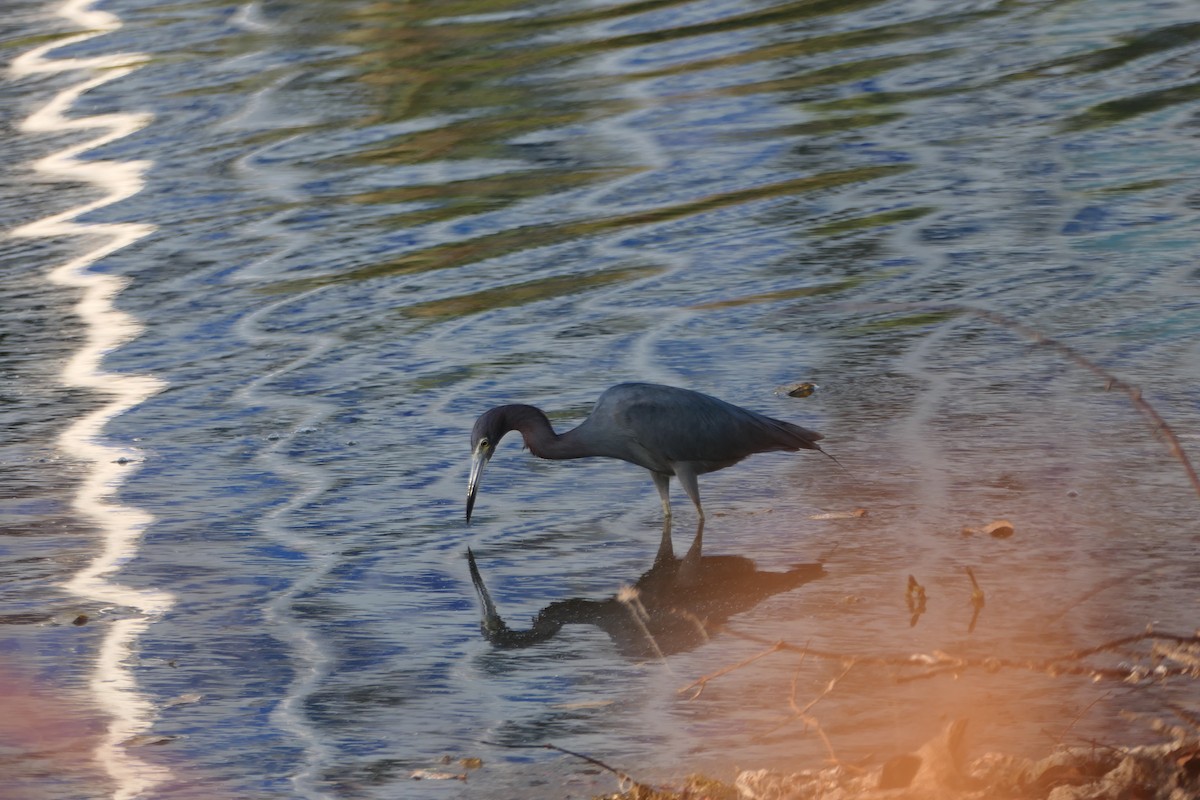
x,y
488,430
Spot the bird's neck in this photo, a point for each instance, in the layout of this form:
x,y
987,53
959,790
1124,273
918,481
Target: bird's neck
x,y
534,427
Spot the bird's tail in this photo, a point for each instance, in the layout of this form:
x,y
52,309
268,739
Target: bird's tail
x,y
800,438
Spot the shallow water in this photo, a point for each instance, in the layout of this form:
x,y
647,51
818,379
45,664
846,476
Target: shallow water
x,y
269,262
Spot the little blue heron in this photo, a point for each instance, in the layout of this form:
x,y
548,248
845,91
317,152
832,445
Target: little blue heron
x,y
668,431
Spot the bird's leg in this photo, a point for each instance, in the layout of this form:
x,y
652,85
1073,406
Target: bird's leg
x,y
663,484
687,479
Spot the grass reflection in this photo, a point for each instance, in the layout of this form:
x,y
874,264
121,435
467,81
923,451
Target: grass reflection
x,y
454,254
1115,111
1150,43
840,73
523,293
878,220
491,74
463,198
782,294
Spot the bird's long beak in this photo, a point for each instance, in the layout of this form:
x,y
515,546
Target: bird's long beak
x,y
479,460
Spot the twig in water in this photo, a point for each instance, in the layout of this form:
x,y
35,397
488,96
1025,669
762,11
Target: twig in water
x,y
977,600
1134,393
629,597
1079,716
914,597
808,719
1158,425
623,776
701,682
938,662
1188,716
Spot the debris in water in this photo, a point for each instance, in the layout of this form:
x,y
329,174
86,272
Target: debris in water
x,y
914,596
976,593
1000,529
856,513
434,775
145,740
977,600
799,389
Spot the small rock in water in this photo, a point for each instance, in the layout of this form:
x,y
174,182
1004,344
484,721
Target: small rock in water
x,y
801,389
1000,529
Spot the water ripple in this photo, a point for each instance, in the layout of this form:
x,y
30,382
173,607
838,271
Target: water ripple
x,y
377,218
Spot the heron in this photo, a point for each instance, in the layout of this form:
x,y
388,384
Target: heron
x,y
667,430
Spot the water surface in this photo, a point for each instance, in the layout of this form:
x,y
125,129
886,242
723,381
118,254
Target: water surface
x,y
322,237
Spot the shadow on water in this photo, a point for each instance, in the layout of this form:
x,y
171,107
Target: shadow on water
x,y
673,607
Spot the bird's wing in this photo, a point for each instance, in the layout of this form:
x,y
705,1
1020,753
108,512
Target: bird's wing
x,y
681,425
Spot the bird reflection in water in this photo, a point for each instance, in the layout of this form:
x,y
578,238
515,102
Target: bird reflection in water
x,y
671,608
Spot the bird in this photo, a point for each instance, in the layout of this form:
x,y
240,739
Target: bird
x,y
665,429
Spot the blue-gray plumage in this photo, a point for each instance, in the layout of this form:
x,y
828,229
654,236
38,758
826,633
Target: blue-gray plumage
x,y
668,431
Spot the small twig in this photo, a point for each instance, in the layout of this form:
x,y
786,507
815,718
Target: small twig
x,y
828,688
624,777
700,683
914,597
829,554
629,597
693,619
808,719
791,702
1096,743
938,662
1079,716
977,600
1188,716
1114,644
1158,425
1099,588
1134,393
933,672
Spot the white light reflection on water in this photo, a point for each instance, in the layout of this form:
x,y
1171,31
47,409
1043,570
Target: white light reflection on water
x,y
105,328
310,654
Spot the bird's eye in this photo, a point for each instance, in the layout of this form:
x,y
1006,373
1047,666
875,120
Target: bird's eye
x,y
485,444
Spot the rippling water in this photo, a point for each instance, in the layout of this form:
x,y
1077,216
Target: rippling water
x,y
269,262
